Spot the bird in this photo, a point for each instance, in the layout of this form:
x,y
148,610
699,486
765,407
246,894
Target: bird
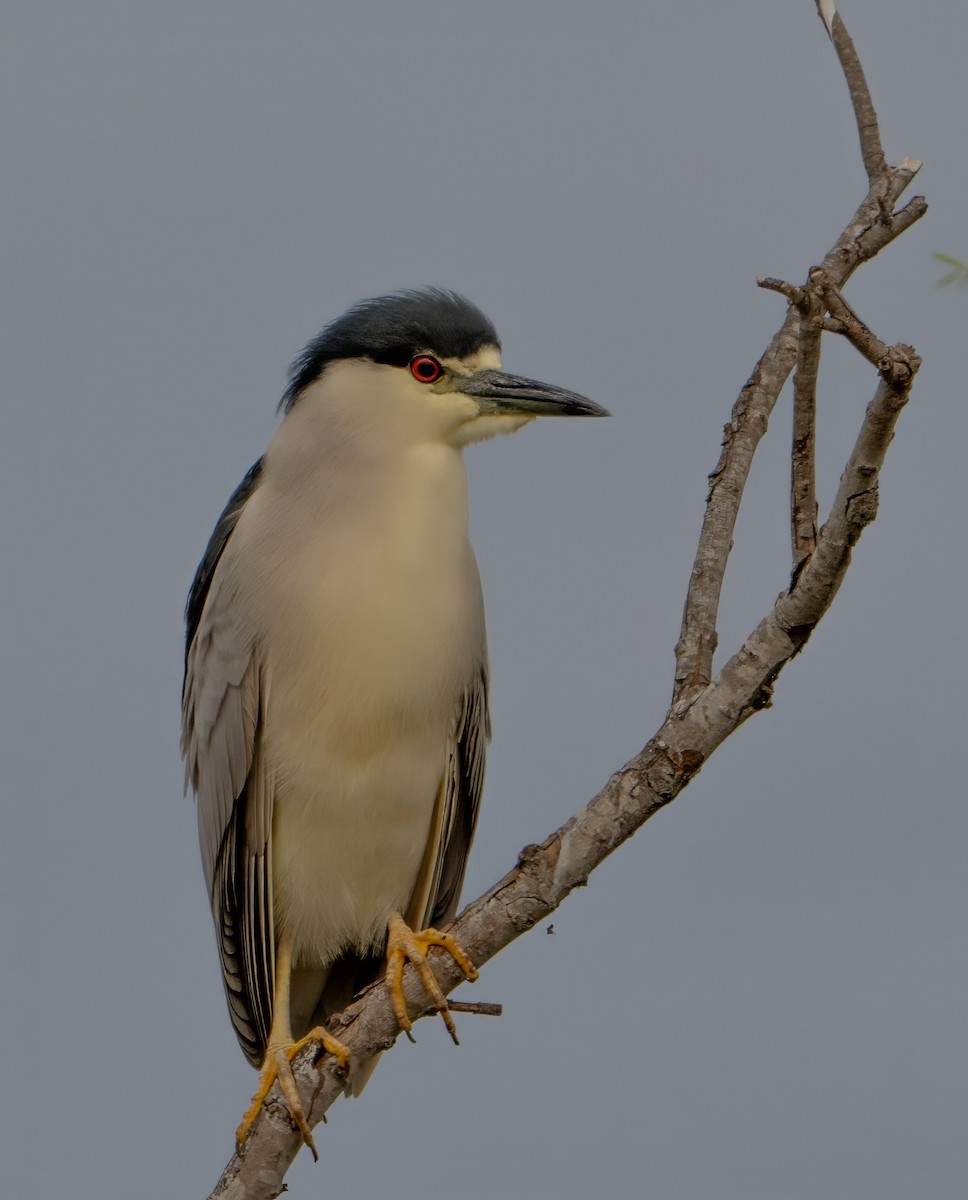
x,y
335,695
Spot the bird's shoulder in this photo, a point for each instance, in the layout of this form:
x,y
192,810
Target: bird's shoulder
x,y
224,528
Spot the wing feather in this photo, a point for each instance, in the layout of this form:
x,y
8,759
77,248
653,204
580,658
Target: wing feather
x,y
222,721
461,791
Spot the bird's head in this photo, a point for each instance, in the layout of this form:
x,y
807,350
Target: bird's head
x,y
424,364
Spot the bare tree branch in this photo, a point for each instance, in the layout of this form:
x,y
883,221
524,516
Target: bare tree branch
x,y
479,1007
872,227
803,482
705,710
848,322
741,435
860,97
794,294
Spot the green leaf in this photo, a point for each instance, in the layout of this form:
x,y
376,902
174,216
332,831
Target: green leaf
x,y
959,273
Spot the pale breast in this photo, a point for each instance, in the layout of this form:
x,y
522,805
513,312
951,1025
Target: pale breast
x,y
375,619
371,627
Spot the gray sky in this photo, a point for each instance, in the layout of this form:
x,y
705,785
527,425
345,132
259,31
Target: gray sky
x,y
762,996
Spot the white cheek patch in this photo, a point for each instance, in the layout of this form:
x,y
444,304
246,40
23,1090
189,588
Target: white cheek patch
x,y
490,425
453,405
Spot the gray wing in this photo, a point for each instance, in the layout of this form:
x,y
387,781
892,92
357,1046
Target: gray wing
x,y
461,796
222,722
224,528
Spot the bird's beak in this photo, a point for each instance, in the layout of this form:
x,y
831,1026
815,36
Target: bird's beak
x,y
513,395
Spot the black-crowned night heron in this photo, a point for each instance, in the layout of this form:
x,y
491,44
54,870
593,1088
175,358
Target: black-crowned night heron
x,y
334,713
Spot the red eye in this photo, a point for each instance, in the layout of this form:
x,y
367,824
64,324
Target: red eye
x,y
425,368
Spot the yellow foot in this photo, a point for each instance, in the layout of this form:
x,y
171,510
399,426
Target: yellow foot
x,y
403,945
277,1067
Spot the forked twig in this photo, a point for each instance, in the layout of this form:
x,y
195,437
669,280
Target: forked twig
x,y
849,325
873,226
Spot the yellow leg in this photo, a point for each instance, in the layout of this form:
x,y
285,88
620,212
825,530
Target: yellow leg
x,y
403,945
281,1050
